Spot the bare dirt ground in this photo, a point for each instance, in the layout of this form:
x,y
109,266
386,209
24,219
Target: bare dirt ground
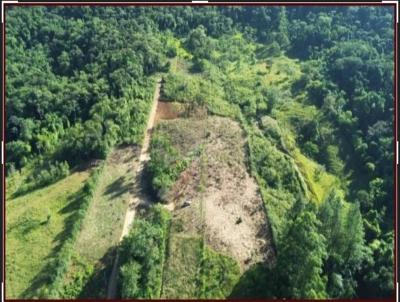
x,y
168,111
232,213
225,205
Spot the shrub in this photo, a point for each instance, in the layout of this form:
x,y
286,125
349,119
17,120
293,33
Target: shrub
x,y
165,164
219,275
311,149
146,245
334,163
130,277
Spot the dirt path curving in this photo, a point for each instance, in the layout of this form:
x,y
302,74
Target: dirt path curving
x,y
139,197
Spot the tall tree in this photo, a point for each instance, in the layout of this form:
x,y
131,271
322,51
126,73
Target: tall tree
x,y
304,277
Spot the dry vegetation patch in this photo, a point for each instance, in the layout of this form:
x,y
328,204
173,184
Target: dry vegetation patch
x,y
225,203
168,111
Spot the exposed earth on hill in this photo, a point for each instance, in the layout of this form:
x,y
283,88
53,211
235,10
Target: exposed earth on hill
x,y
234,220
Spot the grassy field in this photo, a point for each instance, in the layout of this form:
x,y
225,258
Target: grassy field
x,y
181,272
195,271
279,71
33,239
102,227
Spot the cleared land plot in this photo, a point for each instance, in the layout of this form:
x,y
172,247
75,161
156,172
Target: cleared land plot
x,y
232,211
103,223
33,239
235,219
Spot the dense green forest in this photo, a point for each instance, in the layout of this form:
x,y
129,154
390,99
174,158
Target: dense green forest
x,y
307,84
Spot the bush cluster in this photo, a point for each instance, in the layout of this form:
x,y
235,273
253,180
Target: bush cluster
x,y
219,275
142,255
165,165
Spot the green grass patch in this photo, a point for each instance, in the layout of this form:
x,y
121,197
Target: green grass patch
x,y
319,181
199,90
102,227
43,176
280,71
182,268
294,116
175,47
105,218
59,267
33,239
200,271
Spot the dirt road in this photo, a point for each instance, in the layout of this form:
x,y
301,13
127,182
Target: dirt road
x,y
139,197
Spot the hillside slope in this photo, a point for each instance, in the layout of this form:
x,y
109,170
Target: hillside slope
x,y
216,203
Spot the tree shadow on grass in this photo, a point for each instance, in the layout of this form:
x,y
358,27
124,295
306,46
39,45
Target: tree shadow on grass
x,y
74,203
47,273
140,186
72,208
118,187
97,284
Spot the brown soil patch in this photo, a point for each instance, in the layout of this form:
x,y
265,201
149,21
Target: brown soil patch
x,y
168,111
225,201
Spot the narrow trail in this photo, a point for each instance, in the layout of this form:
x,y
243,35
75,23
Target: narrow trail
x,y
139,196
